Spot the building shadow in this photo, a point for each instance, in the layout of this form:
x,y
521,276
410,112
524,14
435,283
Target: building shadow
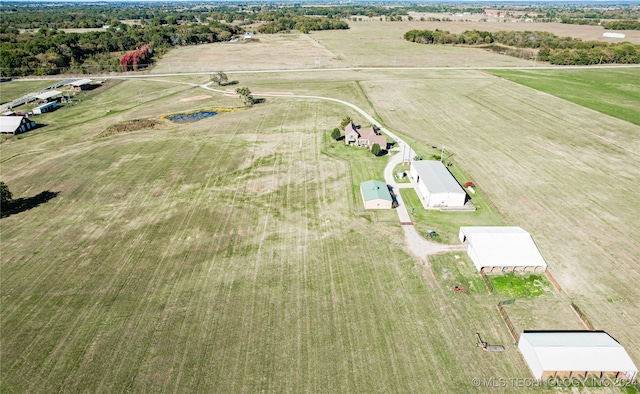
x,y
24,204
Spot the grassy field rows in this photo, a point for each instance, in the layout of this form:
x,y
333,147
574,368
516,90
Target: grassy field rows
x,y
563,172
232,254
595,89
213,256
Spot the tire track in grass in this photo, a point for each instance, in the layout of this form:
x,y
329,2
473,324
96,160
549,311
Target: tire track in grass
x,y
178,233
137,256
248,319
180,384
267,222
52,360
131,260
158,340
210,314
225,352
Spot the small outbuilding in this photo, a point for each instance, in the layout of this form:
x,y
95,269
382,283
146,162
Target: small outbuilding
x,y
44,108
375,195
502,248
573,354
436,186
15,124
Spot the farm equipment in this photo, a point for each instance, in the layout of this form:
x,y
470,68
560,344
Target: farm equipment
x,y
458,289
431,234
485,347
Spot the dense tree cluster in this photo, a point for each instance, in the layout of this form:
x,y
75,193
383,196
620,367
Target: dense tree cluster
x,y
49,51
551,48
622,25
302,23
74,15
41,48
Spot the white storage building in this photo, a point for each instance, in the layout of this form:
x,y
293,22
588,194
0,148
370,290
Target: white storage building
x,y
567,354
437,187
499,248
15,124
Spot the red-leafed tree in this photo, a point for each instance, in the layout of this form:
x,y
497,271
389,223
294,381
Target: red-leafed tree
x,y
132,60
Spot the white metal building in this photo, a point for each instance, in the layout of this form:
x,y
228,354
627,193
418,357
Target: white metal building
x,y
575,353
437,187
499,248
15,124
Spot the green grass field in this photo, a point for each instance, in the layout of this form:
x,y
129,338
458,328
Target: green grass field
x,y
614,92
225,255
233,255
520,285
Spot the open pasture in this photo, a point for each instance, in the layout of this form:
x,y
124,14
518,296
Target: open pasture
x,y
459,24
614,92
230,255
364,45
548,312
221,255
563,172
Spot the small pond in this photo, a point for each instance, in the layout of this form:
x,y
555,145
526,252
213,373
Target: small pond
x,y
191,117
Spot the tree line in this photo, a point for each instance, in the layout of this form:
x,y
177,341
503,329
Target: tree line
x,y
303,24
544,46
50,51
622,25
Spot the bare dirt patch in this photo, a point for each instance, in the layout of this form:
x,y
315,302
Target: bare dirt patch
x,y
196,98
132,125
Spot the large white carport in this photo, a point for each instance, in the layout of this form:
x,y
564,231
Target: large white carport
x,y
499,248
46,95
572,354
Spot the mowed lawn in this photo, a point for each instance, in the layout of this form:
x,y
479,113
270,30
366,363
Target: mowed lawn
x,y
614,92
221,256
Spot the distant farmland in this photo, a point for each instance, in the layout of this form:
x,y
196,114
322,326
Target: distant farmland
x,y
614,92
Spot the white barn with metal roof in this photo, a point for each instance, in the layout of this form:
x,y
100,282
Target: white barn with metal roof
x,y
437,187
499,248
575,353
15,124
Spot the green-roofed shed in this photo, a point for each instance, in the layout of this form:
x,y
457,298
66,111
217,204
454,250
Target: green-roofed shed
x,y
375,195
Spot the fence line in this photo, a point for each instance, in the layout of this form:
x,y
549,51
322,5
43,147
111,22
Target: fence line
x,y
508,323
486,281
582,317
553,280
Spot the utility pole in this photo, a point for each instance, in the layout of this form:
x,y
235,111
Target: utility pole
x,y
442,154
